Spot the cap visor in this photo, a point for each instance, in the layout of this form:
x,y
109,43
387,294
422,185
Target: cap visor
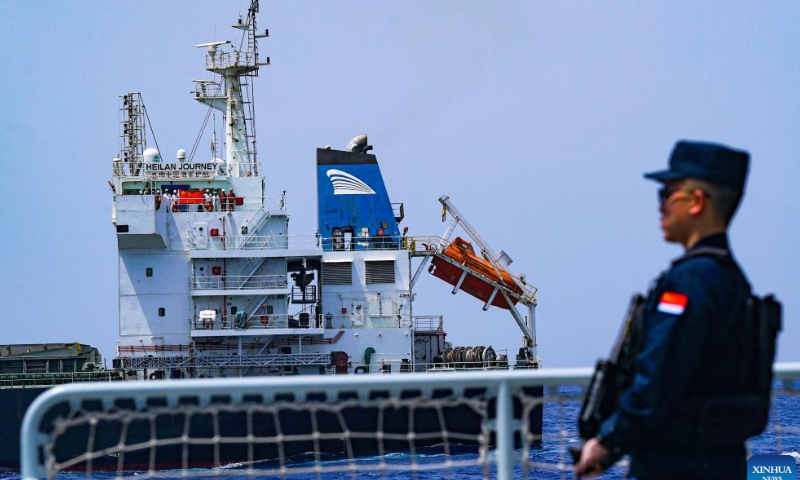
x,y
663,176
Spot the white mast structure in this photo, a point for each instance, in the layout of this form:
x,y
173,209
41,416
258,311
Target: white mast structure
x,y
234,94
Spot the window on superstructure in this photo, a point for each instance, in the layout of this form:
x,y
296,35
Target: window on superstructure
x,y
234,309
162,311
337,273
148,272
379,271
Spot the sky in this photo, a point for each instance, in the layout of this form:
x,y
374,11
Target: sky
x,y
537,118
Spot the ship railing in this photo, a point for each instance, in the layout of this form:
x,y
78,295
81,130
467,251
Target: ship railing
x,y
501,362
55,378
504,405
180,205
208,365
259,242
235,58
302,241
257,322
425,243
399,362
367,320
382,363
191,205
238,282
157,170
182,170
428,323
363,243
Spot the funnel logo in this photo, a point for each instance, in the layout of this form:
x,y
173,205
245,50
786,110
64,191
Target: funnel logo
x,y
346,184
771,467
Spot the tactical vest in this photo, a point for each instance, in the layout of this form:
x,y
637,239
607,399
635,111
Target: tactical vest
x,y
726,420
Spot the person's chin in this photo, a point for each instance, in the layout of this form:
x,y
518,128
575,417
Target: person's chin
x,y
666,234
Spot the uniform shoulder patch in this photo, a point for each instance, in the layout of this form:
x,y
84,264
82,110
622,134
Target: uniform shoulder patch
x,y
672,303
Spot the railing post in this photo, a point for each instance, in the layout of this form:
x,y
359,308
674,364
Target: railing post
x,y
505,432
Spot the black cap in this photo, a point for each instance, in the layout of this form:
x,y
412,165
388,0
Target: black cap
x,y
711,162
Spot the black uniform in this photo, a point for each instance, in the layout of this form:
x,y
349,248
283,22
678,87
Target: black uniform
x,y
692,349
693,323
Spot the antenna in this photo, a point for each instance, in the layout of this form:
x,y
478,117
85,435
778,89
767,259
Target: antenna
x,y
212,44
237,66
133,135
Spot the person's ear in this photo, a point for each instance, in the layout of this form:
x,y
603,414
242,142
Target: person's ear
x,y
699,202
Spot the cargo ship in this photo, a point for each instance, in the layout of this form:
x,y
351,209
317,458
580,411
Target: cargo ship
x,y
212,284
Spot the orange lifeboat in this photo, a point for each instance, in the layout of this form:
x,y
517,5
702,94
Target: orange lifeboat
x,y
461,252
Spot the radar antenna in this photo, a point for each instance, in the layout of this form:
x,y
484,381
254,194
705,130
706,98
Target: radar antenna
x,y
233,95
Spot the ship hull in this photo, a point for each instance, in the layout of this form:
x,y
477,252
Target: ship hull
x,y
13,404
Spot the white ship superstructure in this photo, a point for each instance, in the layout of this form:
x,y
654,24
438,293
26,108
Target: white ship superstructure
x,y
212,284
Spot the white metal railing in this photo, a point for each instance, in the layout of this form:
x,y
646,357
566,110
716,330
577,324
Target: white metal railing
x,y
235,58
238,282
257,322
213,363
335,322
193,170
259,242
361,243
336,244
141,169
516,395
302,241
394,362
428,323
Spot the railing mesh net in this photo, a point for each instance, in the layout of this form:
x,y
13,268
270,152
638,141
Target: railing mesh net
x,y
411,433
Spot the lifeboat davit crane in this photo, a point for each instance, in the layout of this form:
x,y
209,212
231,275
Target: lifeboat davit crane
x,y
486,277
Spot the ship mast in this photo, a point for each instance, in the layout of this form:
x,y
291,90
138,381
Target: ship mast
x,y
233,95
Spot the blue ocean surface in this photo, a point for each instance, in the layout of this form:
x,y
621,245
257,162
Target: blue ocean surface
x,y
560,433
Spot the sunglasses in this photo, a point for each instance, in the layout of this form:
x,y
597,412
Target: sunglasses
x,y
665,193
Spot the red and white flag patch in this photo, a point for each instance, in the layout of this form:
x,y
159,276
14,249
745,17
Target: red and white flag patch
x,y
673,303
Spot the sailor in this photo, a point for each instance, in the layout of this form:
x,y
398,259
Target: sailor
x,y
158,199
215,201
207,201
231,200
223,200
691,332
176,201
